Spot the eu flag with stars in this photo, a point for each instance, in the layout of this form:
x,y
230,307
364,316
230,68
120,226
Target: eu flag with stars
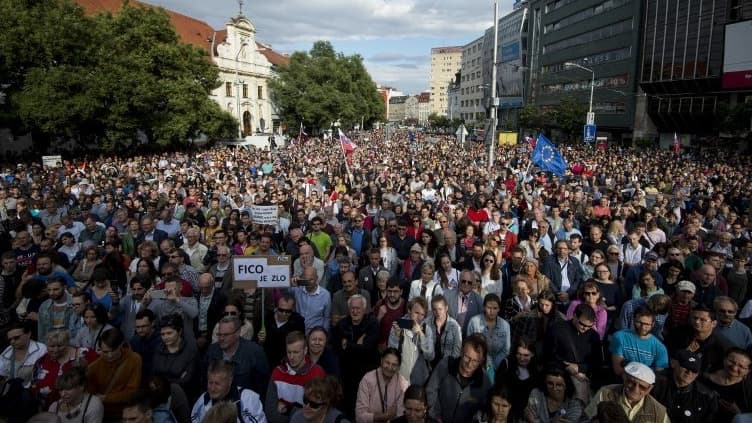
x,y
547,156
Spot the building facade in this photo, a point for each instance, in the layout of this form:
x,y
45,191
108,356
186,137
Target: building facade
x,y
245,65
397,108
424,107
474,82
682,64
445,62
601,35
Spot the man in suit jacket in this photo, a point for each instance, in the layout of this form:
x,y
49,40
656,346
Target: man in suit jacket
x,y
124,312
204,324
554,267
464,303
367,274
149,232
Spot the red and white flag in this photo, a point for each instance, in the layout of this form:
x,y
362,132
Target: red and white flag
x,y
346,143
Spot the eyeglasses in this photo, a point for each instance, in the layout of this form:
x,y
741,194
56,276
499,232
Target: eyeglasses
x,y
311,403
585,325
466,281
230,313
613,254
488,261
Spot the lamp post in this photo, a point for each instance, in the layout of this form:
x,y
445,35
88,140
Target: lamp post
x,y
238,82
592,86
492,146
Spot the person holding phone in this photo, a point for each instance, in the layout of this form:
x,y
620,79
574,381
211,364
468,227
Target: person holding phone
x,y
416,340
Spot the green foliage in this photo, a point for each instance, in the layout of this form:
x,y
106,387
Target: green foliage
x,y
437,121
533,117
321,87
569,115
102,79
734,120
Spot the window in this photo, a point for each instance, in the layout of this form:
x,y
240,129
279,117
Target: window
x,y
588,37
245,90
228,89
583,15
260,92
592,60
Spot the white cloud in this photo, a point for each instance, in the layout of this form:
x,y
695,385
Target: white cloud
x,y
289,24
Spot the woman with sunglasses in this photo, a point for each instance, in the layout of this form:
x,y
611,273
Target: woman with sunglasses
x,y
490,274
589,293
234,307
320,397
75,404
533,248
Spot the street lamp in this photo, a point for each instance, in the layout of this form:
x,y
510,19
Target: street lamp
x,y
592,86
238,82
492,146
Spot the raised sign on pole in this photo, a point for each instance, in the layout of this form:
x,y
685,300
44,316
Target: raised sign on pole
x,y
590,118
261,272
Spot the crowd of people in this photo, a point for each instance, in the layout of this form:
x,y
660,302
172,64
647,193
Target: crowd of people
x,y
425,286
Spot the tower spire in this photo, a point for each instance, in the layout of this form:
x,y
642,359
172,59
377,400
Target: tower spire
x,y
240,7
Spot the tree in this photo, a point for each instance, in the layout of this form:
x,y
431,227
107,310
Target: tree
x,y
320,87
569,115
104,79
533,117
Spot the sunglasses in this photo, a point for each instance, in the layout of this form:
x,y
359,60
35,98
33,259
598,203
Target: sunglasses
x,y
466,281
311,403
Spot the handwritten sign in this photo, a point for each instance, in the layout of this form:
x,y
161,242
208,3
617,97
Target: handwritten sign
x,y
261,272
264,215
52,161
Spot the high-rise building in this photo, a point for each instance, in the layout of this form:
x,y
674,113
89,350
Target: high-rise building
x,y
696,60
445,62
473,82
602,36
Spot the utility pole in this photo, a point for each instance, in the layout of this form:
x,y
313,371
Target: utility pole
x,y
492,146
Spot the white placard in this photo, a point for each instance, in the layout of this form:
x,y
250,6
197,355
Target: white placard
x,y
52,161
264,215
261,272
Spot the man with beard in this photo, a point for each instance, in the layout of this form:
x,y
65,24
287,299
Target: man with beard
x,y
56,311
388,310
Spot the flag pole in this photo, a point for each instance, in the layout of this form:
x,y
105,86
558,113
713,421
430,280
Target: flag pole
x,y
344,154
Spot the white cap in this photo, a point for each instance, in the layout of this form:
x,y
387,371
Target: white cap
x,y
640,371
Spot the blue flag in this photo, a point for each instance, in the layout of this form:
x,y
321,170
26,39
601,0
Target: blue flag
x,y
547,156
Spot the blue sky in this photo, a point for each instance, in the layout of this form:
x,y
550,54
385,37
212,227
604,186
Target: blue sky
x,y
394,37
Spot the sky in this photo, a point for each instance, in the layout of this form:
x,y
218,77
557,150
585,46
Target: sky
x,y
394,37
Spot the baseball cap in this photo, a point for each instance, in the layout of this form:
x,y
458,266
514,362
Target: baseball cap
x,y
416,248
689,360
686,286
640,371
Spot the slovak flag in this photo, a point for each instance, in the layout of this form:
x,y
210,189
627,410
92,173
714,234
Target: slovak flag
x,y
677,144
346,143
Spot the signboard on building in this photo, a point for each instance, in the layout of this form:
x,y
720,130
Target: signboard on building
x,y
510,51
261,272
737,56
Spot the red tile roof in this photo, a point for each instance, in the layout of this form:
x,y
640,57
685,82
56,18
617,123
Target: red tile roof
x,y
190,30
